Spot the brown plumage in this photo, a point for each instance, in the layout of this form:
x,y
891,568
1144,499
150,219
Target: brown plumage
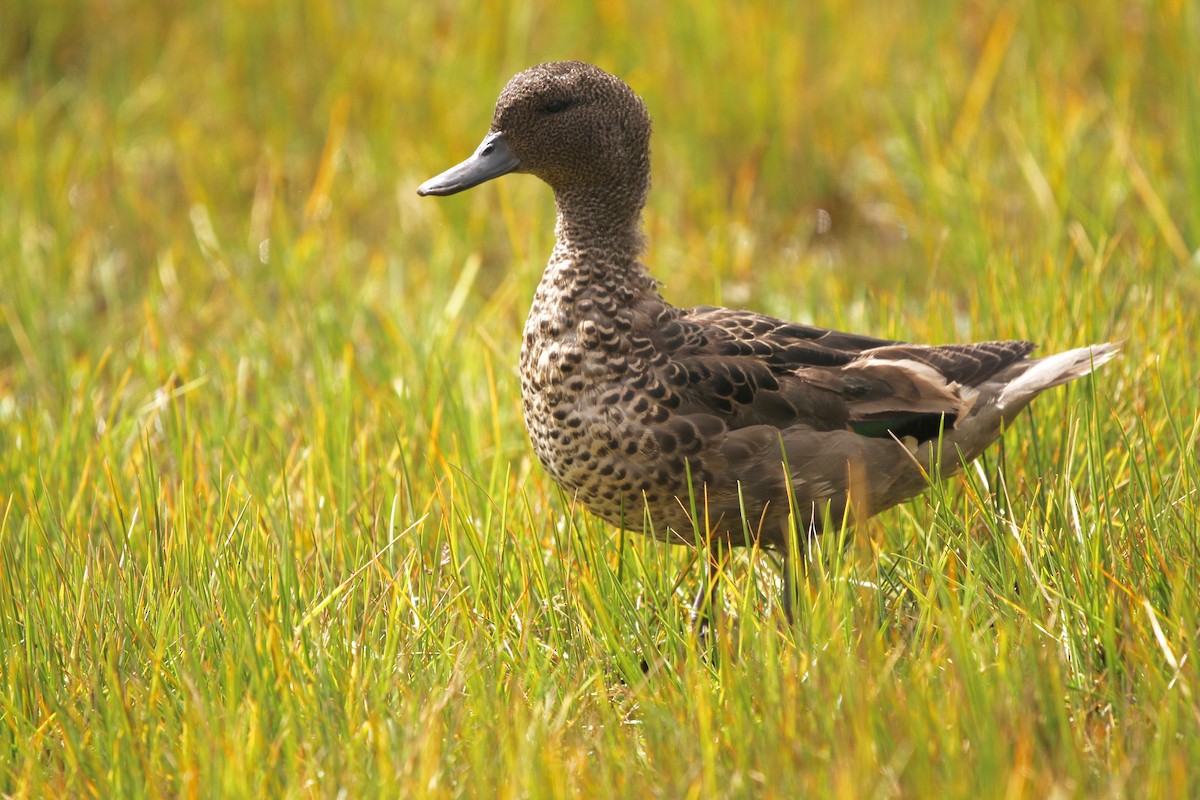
x,y
627,396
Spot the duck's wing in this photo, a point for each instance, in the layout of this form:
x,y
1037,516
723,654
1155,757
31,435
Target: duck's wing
x,y
751,369
919,391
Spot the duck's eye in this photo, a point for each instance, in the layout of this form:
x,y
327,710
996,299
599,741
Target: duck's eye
x,y
555,106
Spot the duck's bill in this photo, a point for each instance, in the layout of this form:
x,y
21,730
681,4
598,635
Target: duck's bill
x,y
491,160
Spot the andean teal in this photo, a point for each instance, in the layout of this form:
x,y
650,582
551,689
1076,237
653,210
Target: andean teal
x,y
627,397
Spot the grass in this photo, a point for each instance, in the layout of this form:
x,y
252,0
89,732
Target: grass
x,y
269,523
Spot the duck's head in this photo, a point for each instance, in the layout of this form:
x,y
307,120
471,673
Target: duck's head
x,y
571,124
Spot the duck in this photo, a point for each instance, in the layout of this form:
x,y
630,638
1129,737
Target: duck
x,y
716,427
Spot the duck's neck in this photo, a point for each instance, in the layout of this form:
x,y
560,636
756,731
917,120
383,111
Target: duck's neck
x,y
594,270
601,228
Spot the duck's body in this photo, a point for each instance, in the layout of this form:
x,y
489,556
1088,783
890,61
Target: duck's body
x,y
716,422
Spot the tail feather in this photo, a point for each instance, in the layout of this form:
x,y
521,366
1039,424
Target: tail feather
x,y
1055,370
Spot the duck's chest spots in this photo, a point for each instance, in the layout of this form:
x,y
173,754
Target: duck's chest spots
x,y
568,358
592,405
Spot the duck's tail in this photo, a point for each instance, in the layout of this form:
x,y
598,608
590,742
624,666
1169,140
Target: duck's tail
x,y
1044,373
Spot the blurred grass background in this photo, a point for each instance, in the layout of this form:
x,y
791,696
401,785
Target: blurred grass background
x,y
268,519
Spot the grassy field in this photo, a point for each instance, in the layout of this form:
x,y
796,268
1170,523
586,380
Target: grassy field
x,y
269,522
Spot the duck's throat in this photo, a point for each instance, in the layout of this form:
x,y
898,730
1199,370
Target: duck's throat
x,y
608,216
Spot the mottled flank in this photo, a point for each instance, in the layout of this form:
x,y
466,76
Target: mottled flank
x,y
627,397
